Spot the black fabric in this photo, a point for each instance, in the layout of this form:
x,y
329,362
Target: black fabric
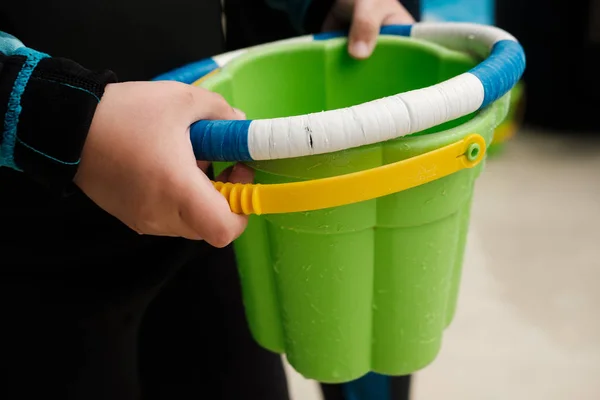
x,y
251,21
91,310
333,392
316,14
9,69
413,7
566,69
399,389
161,325
57,108
318,10
211,350
137,39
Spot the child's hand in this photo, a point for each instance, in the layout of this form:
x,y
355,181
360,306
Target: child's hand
x,y
366,18
138,163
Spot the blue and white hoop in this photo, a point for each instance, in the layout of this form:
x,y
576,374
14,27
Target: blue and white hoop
x,y
371,122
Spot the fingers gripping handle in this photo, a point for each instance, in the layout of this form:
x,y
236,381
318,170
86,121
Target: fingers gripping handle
x,y
220,140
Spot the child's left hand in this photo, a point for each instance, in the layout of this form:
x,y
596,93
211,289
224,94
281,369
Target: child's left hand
x,y
366,18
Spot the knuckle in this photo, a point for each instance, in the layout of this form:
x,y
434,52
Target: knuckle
x,y
220,106
365,19
187,98
366,24
182,96
218,98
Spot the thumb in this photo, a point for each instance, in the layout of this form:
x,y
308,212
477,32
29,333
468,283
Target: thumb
x,y
206,213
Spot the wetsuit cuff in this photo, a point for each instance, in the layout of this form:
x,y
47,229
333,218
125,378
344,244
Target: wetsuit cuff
x,y
51,107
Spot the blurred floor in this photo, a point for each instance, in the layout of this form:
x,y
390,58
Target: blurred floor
x,y
528,322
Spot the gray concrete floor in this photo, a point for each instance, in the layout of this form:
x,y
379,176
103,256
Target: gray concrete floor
x,y
528,321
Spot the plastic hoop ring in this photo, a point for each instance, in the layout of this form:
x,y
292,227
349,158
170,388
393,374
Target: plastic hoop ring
x,y
502,65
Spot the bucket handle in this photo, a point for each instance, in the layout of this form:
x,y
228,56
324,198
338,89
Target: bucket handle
x,y
354,187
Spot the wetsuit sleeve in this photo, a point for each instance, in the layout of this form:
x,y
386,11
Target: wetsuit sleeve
x,y
307,16
46,109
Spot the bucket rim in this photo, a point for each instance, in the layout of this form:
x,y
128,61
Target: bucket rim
x,y
482,123
410,112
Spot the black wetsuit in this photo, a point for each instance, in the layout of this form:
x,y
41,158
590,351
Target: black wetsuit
x,y
91,310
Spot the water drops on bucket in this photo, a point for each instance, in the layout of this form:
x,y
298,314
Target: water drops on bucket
x,y
364,179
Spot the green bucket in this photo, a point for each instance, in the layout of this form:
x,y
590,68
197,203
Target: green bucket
x,y
369,286
511,124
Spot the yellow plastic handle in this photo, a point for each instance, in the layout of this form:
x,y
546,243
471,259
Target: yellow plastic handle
x,y
355,187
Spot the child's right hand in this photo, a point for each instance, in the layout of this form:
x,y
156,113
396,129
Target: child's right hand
x,y
138,163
